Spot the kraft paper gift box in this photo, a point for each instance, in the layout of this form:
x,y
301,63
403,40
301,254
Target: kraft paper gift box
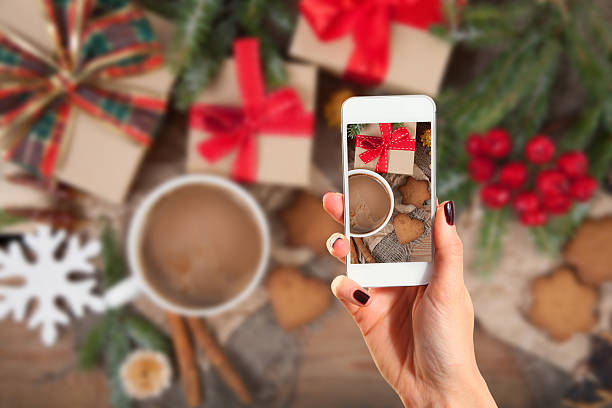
x,y
93,155
281,157
399,161
416,62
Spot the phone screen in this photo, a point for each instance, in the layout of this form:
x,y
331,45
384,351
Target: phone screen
x,y
389,192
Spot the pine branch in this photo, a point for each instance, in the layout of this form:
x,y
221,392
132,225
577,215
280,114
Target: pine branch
x,y
354,129
193,79
607,114
7,220
489,243
582,131
250,15
595,73
273,63
281,15
113,269
494,25
194,28
600,155
147,335
116,351
506,94
530,114
601,30
93,345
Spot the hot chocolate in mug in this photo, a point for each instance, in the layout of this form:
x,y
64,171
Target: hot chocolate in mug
x,y
197,245
371,202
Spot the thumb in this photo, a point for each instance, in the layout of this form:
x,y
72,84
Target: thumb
x,y
448,262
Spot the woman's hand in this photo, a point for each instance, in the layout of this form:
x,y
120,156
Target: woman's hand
x,y
420,337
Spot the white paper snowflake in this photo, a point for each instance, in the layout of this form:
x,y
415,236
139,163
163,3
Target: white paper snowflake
x,y
46,278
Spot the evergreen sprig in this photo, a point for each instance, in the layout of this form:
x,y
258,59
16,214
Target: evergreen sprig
x,y
532,40
7,220
118,331
206,30
354,129
489,241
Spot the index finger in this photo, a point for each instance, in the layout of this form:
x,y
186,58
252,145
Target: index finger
x,y
333,203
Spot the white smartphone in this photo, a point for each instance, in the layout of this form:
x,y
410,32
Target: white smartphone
x,y
389,162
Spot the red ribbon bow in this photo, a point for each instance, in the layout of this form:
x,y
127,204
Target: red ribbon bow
x,y
368,21
280,113
398,139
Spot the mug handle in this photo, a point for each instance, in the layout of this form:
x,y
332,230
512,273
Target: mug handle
x,y
122,292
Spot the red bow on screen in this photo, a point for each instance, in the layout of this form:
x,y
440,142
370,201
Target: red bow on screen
x,y
398,139
280,113
368,22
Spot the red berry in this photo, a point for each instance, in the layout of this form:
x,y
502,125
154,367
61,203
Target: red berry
x,y
540,149
481,169
526,201
498,143
582,188
556,204
495,195
513,174
552,182
475,145
534,218
573,163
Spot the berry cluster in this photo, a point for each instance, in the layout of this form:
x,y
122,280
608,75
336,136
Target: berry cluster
x,y
536,187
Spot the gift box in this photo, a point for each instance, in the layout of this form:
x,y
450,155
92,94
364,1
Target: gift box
x,y
82,91
375,43
381,148
239,130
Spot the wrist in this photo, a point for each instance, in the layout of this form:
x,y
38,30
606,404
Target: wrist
x,y
470,390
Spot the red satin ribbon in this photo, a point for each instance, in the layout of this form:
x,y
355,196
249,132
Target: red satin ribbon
x,y
398,139
368,22
279,113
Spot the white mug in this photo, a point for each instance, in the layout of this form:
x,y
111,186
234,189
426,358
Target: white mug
x,y
136,284
385,184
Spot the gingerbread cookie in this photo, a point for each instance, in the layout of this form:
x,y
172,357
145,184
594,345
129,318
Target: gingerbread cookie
x,y
415,192
562,305
307,223
589,250
296,299
407,229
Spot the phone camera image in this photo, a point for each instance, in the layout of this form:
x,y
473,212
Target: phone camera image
x,y
389,192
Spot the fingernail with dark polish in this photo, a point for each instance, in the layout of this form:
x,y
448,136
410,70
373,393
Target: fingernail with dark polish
x,y
361,296
449,212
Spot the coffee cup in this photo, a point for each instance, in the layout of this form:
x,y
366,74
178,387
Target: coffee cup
x,y
370,204
141,280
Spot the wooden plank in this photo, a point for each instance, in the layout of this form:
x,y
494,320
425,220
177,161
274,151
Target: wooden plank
x,y
32,375
337,369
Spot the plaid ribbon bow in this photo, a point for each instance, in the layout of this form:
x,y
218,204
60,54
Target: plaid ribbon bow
x,y
398,139
94,41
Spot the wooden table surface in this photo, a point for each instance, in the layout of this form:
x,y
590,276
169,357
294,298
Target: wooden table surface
x,y
335,368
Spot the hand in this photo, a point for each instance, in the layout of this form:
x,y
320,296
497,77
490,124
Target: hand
x,y
420,337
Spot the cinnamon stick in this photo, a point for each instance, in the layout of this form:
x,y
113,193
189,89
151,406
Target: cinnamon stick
x,y
218,359
354,257
363,249
186,360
